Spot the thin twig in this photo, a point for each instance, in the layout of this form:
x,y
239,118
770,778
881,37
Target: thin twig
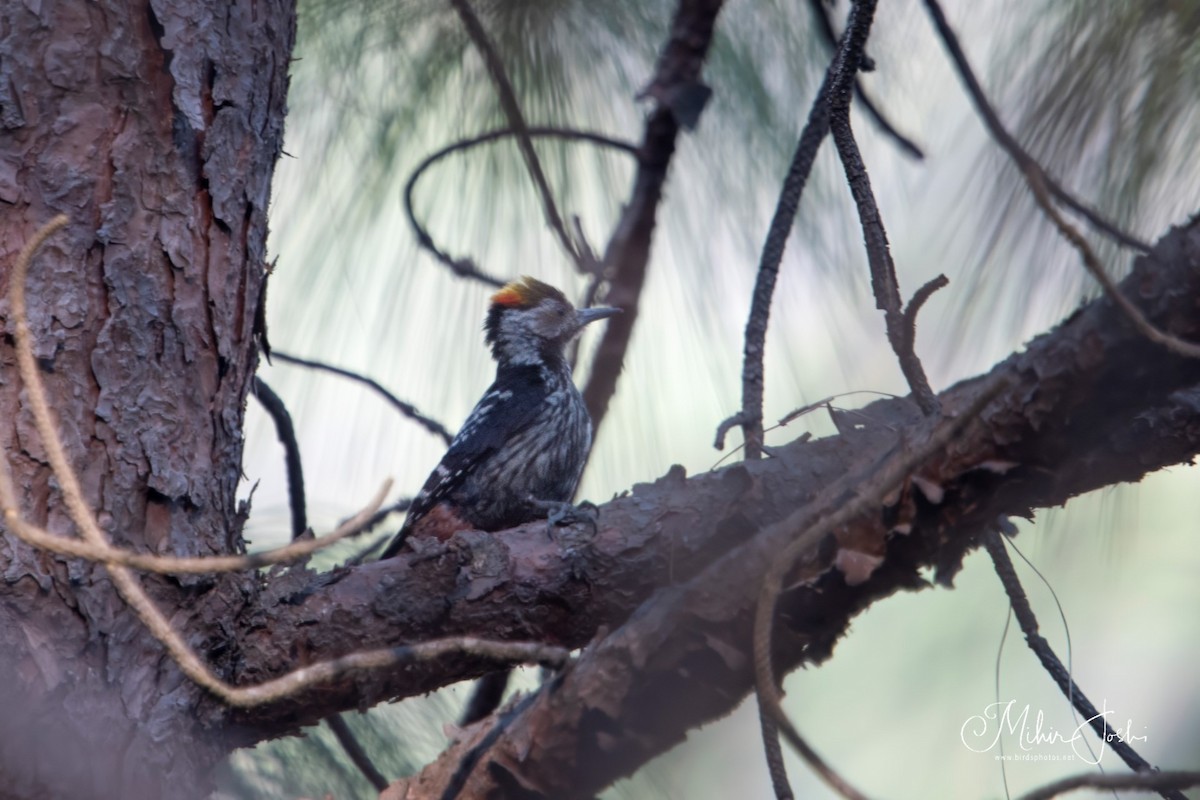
x,y
1018,154
879,257
1138,781
286,432
1051,663
863,496
407,409
516,121
178,565
1176,345
1043,186
131,591
470,759
274,406
825,27
465,267
774,752
913,308
750,418
485,698
354,749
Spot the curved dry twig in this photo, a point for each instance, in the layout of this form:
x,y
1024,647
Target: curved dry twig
x,y
178,565
750,418
131,590
516,120
1027,163
407,409
465,267
1037,185
286,431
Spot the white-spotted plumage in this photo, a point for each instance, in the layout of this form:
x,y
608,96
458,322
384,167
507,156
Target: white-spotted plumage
x,y
527,440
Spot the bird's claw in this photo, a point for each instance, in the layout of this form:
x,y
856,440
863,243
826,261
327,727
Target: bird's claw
x,y
563,514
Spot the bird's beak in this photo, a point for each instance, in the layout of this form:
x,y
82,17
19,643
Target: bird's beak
x,y
594,313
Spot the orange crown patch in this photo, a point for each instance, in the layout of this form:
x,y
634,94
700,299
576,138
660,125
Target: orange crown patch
x,y
525,293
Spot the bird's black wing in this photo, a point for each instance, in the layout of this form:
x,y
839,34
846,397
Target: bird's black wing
x,y
507,408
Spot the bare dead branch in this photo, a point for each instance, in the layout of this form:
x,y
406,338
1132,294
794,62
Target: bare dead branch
x,y
825,28
1054,667
879,256
913,308
516,121
286,432
1027,163
465,267
628,252
750,418
1138,781
407,409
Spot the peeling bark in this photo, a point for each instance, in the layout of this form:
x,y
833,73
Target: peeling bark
x,y
155,127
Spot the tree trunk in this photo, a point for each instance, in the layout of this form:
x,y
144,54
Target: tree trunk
x,y
155,127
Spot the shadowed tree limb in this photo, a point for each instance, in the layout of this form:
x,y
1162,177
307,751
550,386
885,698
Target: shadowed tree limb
x,y
628,252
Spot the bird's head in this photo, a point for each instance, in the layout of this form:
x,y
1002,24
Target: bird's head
x,y
531,322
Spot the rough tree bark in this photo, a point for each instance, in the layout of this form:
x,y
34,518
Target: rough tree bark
x,y
155,126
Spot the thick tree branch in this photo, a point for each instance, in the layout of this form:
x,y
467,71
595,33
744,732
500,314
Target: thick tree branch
x,y
1091,404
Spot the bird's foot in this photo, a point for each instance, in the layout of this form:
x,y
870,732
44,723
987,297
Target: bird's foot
x,y
560,514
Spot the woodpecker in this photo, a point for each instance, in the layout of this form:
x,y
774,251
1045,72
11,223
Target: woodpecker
x,y
521,452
